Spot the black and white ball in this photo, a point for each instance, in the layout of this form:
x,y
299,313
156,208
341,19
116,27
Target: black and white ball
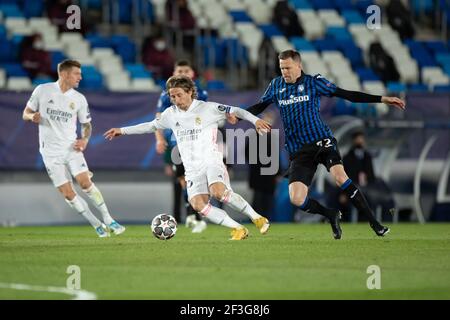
x,y
164,226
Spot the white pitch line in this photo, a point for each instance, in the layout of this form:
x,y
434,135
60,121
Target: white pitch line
x,y
78,294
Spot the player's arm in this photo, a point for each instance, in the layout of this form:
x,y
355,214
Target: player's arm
x,y
162,122
146,127
86,132
260,125
266,100
30,115
161,143
356,96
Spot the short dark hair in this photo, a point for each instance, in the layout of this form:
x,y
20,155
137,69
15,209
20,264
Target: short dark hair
x,y
68,64
182,82
183,63
357,134
294,55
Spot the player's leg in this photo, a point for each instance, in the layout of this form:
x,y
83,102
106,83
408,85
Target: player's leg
x,y
61,179
79,205
301,172
356,197
198,193
218,216
298,194
220,189
79,169
193,218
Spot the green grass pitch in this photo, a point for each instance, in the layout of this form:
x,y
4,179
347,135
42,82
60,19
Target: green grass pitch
x,y
293,261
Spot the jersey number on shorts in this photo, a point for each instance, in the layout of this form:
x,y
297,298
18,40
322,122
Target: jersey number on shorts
x,y
326,143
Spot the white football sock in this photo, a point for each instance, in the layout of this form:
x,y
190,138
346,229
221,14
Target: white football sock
x,y
236,202
97,200
218,216
82,208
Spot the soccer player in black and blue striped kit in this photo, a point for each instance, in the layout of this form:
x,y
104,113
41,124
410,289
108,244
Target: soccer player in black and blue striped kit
x,y
309,140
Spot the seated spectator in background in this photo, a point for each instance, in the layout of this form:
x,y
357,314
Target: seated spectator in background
x,y
358,161
35,60
358,164
286,19
181,18
400,18
158,58
57,13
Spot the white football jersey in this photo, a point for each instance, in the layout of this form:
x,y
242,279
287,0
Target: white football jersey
x,y
59,113
196,132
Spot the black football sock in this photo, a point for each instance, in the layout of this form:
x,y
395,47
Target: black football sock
x,y
359,201
314,207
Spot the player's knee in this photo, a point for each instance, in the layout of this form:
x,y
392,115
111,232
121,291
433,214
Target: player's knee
x,y
69,194
197,205
85,184
218,192
297,199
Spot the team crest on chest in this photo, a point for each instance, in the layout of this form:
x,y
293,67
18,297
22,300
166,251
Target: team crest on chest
x,y
301,88
198,121
72,106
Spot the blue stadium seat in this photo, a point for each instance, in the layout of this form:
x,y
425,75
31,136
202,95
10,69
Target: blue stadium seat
x,y
3,33
367,74
240,16
420,53
14,70
56,57
41,80
425,6
33,8
325,45
302,44
344,4
436,46
216,46
417,87
124,47
138,70
97,41
351,52
92,79
145,9
300,4
338,33
11,10
443,58
442,88
396,87
94,4
216,85
323,4
352,16
6,51
447,69
270,30
232,49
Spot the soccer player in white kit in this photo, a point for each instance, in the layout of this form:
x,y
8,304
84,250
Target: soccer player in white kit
x,y
195,125
56,107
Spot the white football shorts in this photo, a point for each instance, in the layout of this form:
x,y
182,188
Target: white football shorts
x,y
199,183
60,169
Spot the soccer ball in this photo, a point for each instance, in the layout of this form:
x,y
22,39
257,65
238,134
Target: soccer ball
x,y
164,226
